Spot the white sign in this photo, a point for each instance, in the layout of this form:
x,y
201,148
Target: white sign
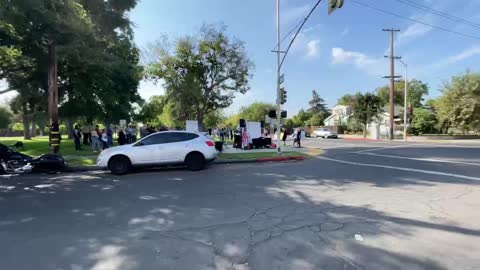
x,y
123,123
267,119
192,126
254,130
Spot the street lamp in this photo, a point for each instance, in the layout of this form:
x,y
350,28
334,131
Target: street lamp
x,y
405,101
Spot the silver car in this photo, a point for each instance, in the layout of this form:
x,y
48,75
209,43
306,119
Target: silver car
x,y
324,133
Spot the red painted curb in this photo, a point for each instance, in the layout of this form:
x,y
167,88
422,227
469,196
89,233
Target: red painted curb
x,y
278,159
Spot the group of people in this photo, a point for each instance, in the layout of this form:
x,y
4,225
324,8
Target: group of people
x,y
147,130
94,136
222,133
297,137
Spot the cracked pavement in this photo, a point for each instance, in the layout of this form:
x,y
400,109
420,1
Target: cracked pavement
x,y
316,214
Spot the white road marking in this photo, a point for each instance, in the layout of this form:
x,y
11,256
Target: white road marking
x,y
381,148
420,159
400,168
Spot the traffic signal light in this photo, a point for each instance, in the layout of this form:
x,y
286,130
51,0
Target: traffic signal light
x,y
284,114
272,114
334,4
283,96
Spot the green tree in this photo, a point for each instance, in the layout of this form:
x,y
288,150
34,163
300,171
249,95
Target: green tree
x,y
202,74
151,111
315,120
232,121
417,90
318,106
256,111
366,109
97,62
5,117
347,100
301,118
214,119
424,120
459,105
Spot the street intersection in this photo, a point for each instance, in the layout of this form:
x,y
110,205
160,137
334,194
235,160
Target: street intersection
x,y
360,205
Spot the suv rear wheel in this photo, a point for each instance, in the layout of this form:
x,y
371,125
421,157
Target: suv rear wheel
x,y
195,161
119,165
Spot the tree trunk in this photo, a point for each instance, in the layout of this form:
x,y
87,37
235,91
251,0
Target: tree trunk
x,y
201,126
53,99
70,128
26,126
33,131
365,130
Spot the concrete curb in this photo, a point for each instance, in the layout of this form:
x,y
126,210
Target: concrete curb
x,y
217,162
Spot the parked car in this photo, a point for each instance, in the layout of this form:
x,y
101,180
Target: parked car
x,y
324,133
191,149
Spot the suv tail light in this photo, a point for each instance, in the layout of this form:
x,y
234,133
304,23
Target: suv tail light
x,y
210,143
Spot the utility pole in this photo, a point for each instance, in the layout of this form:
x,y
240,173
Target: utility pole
x,y
279,105
392,78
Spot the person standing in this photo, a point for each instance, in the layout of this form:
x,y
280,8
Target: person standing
x,y
109,136
134,134
297,136
129,134
284,137
222,135
86,134
95,139
122,138
77,136
104,139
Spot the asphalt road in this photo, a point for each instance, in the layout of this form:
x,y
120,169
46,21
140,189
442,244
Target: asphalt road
x,y
361,205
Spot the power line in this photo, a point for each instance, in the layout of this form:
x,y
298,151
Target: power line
x,y
414,20
439,13
298,31
289,33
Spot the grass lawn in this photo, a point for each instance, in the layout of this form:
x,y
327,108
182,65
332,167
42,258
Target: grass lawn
x,y
255,155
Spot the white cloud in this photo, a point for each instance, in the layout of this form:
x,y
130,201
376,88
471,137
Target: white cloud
x,y
307,42
454,59
470,52
412,32
370,65
313,48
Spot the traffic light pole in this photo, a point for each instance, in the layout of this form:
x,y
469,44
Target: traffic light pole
x,y
279,106
333,5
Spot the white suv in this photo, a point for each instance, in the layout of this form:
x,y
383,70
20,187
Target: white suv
x,y
324,133
163,148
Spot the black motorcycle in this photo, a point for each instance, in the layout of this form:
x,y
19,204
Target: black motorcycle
x,y
12,161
